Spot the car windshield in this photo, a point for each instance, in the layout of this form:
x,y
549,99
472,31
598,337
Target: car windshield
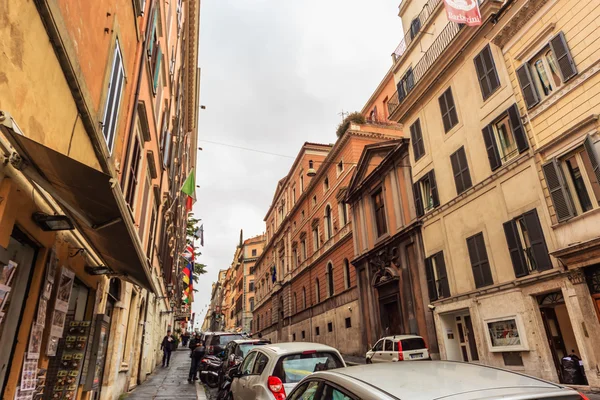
x,y
412,344
246,347
224,339
292,368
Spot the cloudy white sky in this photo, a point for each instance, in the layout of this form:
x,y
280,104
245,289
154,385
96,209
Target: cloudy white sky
x,y
275,73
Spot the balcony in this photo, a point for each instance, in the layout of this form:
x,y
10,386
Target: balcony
x,y
414,28
412,78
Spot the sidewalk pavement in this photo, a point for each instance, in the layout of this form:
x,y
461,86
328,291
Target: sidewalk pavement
x,y
353,360
170,382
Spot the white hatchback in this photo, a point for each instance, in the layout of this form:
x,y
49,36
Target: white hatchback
x,y
398,348
269,372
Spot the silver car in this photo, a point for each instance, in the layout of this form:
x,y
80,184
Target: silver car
x,y
427,380
269,372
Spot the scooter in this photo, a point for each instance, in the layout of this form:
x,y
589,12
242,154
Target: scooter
x,y
225,387
209,370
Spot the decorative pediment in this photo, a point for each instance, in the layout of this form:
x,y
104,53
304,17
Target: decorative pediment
x,y
341,194
518,21
302,235
314,222
384,266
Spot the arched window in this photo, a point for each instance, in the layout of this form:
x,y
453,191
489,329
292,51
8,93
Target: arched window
x,y
294,304
330,285
317,291
328,223
346,273
303,298
114,289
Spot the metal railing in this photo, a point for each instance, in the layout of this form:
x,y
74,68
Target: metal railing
x,y
414,28
420,69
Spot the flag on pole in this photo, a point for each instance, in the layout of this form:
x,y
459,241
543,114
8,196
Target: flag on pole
x,y
463,12
189,188
199,234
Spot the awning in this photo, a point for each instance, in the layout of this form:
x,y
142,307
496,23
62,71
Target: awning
x,y
87,196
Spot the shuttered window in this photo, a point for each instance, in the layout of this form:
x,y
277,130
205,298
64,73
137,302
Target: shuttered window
x,y
486,72
563,57
559,193
133,172
416,136
460,169
479,261
448,109
505,138
426,194
157,66
406,84
379,211
528,88
437,277
113,99
526,244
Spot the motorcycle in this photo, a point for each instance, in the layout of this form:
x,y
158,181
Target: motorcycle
x,y
209,370
225,387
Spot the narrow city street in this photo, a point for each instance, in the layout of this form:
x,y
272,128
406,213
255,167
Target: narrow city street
x,y
170,383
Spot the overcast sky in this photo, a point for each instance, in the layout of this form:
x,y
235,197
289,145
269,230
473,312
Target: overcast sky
x,y
275,74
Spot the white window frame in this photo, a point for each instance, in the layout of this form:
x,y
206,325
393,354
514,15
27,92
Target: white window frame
x,y
584,175
340,167
110,123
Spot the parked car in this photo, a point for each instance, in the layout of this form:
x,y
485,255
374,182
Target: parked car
x,y
398,348
236,350
427,380
216,341
269,372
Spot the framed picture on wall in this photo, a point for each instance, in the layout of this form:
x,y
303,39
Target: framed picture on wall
x,y
51,265
52,346
41,313
35,342
506,334
65,285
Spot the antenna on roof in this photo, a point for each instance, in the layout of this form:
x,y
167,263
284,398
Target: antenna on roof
x,y
343,114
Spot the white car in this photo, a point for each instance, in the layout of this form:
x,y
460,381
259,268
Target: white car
x,y
269,372
398,348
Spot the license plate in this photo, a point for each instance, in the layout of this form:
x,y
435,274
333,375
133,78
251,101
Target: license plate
x,y
418,355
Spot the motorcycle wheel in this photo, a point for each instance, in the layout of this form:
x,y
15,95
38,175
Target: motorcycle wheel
x,y
203,378
212,381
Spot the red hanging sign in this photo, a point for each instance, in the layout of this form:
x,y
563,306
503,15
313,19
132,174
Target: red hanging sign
x,y
463,12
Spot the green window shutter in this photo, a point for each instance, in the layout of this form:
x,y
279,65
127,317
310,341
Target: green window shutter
x,y
157,69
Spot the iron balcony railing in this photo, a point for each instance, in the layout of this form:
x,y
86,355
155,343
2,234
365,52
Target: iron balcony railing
x,y
415,27
414,75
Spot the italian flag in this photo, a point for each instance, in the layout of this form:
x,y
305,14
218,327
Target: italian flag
x,y
189,188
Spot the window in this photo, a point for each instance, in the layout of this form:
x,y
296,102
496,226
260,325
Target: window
x,y
113,98
303,298
505,138
486,72
133,171
302,215
251,303
573,181
526,244
378,346
348,322
479,261
460,169
293,196
405,84
546,71
340,167
151,235
301,183
315,238
253,252
379,211
388,345
416,137
293,337
328,222
330,283
437,279
294,259
317,331
293,367
314,200
448,109
145,204
415,27
294,304
317,291
251,286
303,335
260,364
248,363
330,327
303,249
326,184
347,282
343,213
426,194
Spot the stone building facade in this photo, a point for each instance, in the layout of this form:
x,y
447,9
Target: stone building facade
x,y
504,155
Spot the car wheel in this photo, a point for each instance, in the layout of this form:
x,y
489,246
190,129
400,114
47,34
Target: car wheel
x,y
369,361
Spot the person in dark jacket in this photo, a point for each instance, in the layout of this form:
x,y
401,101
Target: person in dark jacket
x,y
167,346
197,355
185,338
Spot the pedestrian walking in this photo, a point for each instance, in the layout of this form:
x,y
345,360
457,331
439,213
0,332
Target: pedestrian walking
x,y
197,355
167,346
185,338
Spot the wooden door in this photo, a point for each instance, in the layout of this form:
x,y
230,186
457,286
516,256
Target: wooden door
x,y
554,337
471,339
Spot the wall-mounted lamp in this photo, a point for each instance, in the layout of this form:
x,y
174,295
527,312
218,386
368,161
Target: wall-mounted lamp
x,y
52,222
99,270
311,170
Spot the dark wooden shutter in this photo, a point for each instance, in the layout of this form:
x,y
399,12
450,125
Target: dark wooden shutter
x,y
558,191
440,266
563,56
444,111
452,115
514,249
486,72
589,148
527,87
417,140
539,250
517,128
457,173
430,279
479,261
418,201
434,191
481,76
491,147
400,88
